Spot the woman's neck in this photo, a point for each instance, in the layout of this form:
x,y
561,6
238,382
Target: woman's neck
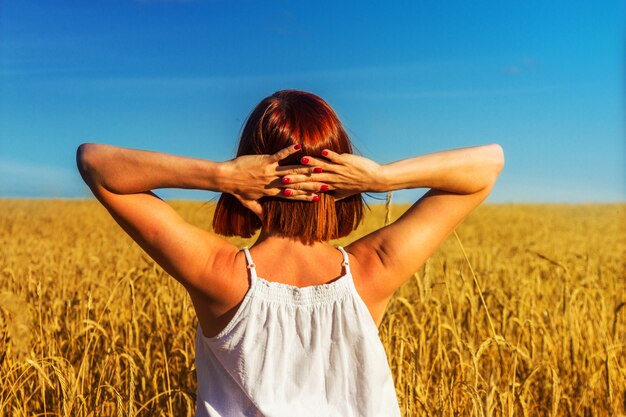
x,y
267,238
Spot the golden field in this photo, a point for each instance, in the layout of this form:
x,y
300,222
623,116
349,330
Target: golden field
x,y
522,312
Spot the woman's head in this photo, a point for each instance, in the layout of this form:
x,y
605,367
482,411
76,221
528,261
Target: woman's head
x,y
283,119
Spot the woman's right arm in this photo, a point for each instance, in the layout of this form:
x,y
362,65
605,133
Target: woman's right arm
x,y
459,180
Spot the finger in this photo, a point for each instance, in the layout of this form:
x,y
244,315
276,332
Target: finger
x,y
291,194
293,170
293,182
318,162
331,155
299,170
290,180
284,153
304,183
305,197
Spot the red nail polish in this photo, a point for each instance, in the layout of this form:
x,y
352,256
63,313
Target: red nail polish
x,y
287,191
297,147
285,180
305,160
317,170
324,188
325,153
316,198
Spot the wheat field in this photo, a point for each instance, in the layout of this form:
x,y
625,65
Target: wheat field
x,y
521,312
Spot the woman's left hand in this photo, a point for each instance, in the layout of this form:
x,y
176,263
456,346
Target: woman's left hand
x,y
343,174
251,177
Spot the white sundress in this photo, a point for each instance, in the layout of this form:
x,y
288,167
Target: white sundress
x,y
296,352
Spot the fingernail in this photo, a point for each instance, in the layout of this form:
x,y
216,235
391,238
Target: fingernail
x,y
304,160
285,180
316,198
324,188
287,191
325,153
297,146
317,170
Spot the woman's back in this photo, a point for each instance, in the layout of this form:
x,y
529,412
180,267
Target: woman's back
x,y
289,262
290,350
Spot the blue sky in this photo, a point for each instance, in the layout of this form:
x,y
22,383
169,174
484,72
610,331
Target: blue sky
x,y
545,79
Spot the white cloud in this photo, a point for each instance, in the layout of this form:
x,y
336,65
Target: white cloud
x,y
512,70
524,65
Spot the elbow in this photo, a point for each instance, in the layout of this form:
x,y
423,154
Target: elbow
x,y
492,164
496,158
84,161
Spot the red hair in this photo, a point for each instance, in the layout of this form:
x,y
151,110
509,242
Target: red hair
x,y
283,119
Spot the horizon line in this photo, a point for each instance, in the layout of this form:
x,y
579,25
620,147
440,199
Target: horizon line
x,y
375,202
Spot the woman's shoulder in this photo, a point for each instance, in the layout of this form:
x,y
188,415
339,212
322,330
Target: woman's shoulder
x,y
224,286
369,275
225,278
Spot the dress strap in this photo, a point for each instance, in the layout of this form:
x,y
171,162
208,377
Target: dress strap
x,y
250,264
346,262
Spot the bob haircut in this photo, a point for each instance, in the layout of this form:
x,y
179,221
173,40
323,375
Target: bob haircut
x,y
283,119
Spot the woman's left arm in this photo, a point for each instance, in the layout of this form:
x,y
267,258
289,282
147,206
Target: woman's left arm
x,y
122,180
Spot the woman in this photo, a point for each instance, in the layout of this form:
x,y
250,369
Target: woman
x,y
302,340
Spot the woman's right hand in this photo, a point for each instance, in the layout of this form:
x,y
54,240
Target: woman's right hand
x,y
251,177
345,174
